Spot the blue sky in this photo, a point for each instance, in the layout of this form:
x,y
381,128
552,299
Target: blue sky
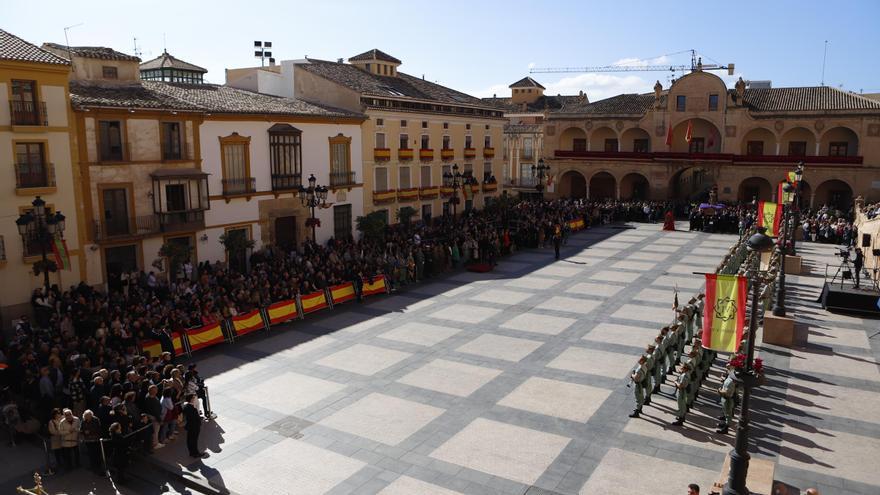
x,y
482,46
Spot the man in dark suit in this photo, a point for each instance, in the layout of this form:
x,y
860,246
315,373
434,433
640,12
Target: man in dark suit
x,y
193,426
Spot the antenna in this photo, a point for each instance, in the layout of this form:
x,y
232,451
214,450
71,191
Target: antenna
x,y
262,51
67,42
137,50
824,56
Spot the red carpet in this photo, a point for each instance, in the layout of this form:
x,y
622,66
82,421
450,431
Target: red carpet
x,y
479,267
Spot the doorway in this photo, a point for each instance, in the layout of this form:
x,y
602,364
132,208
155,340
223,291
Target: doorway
x,y
285,232
115,211
119,259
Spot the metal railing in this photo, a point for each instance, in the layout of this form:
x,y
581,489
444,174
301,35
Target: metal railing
x,y
523,182
342,178
243,185
175,221
28,113
33,175
125,227
2,249
286,182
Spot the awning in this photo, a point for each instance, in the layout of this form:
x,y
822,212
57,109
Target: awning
x,y
178,173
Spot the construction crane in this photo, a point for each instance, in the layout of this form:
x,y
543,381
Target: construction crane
x,y
696,65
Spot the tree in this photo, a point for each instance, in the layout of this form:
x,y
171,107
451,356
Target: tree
x,y
372,225
237,244
177,253
405,214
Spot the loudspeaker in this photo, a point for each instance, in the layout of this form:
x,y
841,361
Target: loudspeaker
x,y
866,240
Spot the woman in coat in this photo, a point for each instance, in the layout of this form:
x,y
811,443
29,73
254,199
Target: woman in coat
x,y
91,435
55,444
69,428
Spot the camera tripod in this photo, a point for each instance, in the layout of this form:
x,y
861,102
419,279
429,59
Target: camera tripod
x,y
845,272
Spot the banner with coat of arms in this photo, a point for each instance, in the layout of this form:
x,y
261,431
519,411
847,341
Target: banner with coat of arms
x,y
725,314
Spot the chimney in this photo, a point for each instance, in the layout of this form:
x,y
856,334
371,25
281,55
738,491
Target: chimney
x,y
494,95
338,60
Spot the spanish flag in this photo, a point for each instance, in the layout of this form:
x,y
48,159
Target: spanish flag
x,y
725,313
59,250
689,135
770,217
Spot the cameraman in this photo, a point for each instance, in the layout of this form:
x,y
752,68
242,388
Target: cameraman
x,y
858,262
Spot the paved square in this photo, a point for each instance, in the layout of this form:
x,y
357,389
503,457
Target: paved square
x,y
660,248
610,276
660,316
554,398
500,347
503,450
692,282
627,472
302,391
622,334
500,296
559,271
363,359
594,289
420,333
593,362
465,313
533,283
530,322
569,305
383,418
640,266
410,486
647,256
657,295
450,377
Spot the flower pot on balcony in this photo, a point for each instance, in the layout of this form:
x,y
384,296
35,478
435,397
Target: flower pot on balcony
x,y
426,154
381,154
404,154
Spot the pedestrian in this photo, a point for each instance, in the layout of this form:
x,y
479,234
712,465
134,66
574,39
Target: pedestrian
x,y
119,443
557,239
55,437
69,429
858,263
91,434
693,489
193,426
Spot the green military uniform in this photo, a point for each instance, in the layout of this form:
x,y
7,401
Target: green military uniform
x,y
694,386
692,323
647,384
681,386
679,330
705,356
659,373
638,381
727,391
668,349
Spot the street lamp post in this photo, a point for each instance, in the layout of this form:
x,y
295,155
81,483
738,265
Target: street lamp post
x,y
453,180
41,227
779,304
539,172
798,177
739,457
312,197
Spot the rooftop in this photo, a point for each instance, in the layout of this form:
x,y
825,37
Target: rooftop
x,y
375,54
542,103
14,48
815,98
526,82
167,61
98,52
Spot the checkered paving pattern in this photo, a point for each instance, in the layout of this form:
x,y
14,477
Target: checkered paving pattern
x,y
514,382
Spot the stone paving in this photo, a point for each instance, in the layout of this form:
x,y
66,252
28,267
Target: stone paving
x,y
514,382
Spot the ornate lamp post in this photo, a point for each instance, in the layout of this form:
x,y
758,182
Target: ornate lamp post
x,y
739,457
453,180
312,197
779,304
796,204
539,172
41,227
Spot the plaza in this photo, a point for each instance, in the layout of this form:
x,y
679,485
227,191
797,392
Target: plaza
x,y
514,382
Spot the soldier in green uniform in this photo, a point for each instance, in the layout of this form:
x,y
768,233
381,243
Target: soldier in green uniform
x,y
693,363
679,329
692,323
659,361
638,381
681,386
727,391
668,349
649,367
699,306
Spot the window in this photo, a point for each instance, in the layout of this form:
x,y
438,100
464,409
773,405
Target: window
x,y
381,179
380,139
579,144
487,171
424,124
713,103
467,126
235,164
380,122
30,166
24,103
468,170
468,141
610,145
402,123
110,139
528,150
680,103
368,68
755,148
487,127
175,197
404,141
447,142
426,142
109,72
285,156
342,221
797,148
487,141
340,160
837,148
171,142
641,145
426,212
426,176
446,125
697,145
404,182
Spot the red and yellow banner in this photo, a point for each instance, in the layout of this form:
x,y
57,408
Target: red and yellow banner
x,y
377,286
342,293
725,313
769,216
247,323
62,257
313,302
154,347
784,197
576,225
282,311
205,336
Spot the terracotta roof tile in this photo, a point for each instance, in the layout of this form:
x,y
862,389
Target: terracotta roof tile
x,y
544,102
817,98
375,54
99,52
14,48
526,82
167,61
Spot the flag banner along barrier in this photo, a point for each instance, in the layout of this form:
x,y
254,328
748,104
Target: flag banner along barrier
x,y
154,347
375,286
281,311
576,225
205,336
342,293
247,323
769,216
725,313
313,302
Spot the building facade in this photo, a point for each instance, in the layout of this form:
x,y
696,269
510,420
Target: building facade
x,y
36,159
682,141
415,132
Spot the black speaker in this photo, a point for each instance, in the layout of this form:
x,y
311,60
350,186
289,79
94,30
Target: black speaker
x,y
876,252
866,240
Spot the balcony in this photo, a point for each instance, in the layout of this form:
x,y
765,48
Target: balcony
x,y
723,157
388,196
446,191
242,186
405,154
381,154
475,188
523,182
470,153
179,221
34,178
342,179
408,194
426,154
447,154
28,113
429,192
488,152
125,227
490,186
526,154
286,182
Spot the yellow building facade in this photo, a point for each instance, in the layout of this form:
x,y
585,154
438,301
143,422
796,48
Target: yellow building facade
x,y
36,159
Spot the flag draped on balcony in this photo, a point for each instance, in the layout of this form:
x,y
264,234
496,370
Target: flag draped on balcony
x,y
689,135
769,216
669,136
62,258
725,314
